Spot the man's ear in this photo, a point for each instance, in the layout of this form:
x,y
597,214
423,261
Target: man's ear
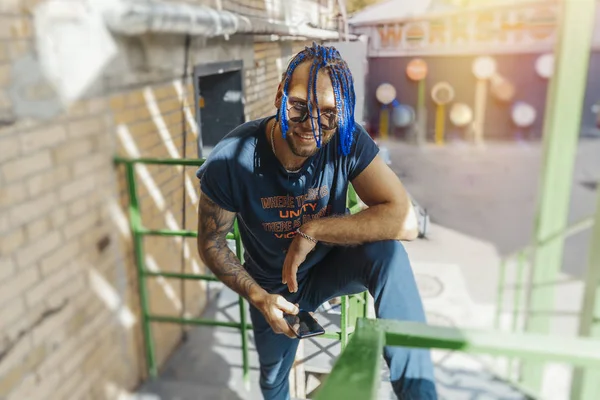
x,y
279,95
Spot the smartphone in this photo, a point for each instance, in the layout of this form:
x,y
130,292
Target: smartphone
x,y
304,325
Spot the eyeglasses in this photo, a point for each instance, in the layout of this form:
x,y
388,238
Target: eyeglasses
x,y
298,113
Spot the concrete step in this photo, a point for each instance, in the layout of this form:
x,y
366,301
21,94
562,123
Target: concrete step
x,y
162,389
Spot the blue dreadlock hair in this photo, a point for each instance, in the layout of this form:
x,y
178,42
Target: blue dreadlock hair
x,y
343,89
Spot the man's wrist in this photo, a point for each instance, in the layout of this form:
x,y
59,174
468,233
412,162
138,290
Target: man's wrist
x,y
256,295
309,230
306,236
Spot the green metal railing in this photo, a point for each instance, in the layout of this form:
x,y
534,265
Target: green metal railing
x,y
356,373
139,232
522,287
521,284
352,307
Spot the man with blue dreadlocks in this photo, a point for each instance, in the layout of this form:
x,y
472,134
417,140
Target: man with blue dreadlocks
x,y
285,178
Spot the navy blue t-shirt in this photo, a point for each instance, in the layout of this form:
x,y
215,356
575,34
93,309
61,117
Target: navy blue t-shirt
x,y
242,175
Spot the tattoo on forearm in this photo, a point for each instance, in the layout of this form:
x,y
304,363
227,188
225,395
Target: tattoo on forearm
x,y
214,224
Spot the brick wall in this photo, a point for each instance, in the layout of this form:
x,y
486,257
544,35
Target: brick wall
x,y
69,308
148,123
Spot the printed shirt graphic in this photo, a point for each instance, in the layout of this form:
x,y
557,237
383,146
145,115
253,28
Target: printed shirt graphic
x,y
242,175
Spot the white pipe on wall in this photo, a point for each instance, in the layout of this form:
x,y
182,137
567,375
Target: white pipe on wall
x,y
77,39
134,18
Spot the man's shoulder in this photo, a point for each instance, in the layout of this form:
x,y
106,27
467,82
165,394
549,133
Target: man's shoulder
x,y
359,130
360,139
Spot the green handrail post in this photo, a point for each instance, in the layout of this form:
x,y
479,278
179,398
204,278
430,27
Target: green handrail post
x,y
135,224
356,372
242,305
586,384
517,290
351,197
517,294
500,292
344,322
561,131
366,304
355,306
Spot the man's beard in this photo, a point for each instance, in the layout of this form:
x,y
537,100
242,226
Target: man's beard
x,y
306,152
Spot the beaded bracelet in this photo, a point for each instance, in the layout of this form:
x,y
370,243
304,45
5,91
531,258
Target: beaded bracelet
x,y
305,236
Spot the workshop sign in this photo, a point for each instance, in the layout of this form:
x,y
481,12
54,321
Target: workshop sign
x,y
523,28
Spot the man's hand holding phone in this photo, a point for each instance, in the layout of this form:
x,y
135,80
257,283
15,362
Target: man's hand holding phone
x,y
304,325
273,307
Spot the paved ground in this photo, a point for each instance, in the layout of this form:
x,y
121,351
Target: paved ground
x,y
490,193
481,203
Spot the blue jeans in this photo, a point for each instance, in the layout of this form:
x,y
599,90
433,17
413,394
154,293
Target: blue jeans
x,y
384,269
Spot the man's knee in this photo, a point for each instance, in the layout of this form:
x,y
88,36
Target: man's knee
x,y
275,392
392,283
389,260
272,379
